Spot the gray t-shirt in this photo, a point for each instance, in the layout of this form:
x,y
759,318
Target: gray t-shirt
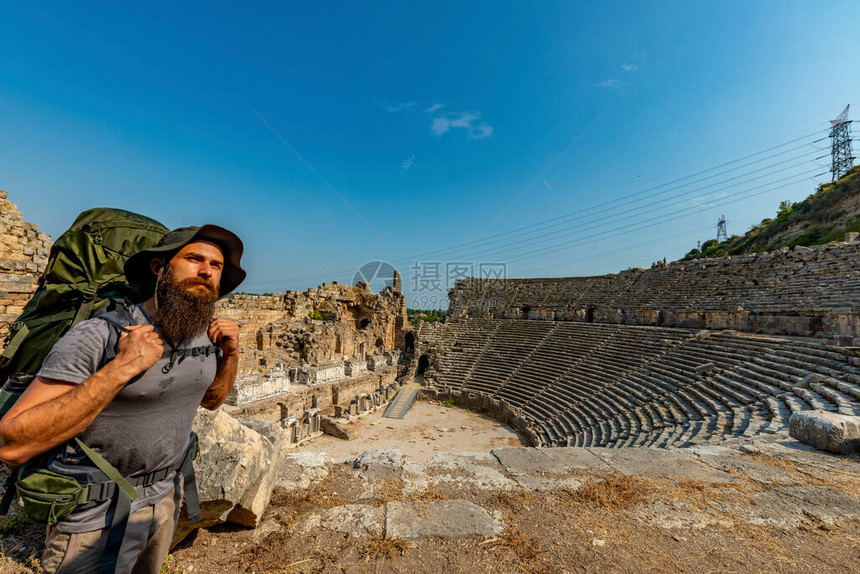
x,y
147,425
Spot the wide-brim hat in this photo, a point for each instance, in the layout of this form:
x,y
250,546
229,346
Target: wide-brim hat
x,y
139,273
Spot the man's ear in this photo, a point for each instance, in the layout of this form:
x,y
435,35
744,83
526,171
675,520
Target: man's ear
x,y
156,265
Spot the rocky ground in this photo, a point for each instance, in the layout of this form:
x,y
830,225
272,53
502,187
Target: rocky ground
x,y
771,505
766,507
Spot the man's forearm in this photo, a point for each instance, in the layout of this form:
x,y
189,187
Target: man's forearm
x,y
30,429
225,376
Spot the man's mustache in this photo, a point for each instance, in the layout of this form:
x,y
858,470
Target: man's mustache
x,y
208,283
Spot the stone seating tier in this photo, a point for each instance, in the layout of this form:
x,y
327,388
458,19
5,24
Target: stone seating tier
x,y
590,384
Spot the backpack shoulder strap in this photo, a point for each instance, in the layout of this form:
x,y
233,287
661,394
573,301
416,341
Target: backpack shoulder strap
x,y
118,316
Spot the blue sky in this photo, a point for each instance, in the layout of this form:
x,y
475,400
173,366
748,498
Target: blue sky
x,y
332,134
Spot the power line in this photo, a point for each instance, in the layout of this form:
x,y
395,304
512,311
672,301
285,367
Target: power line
x,y
626,228
676,215
564,220
579,213
613,216
602,207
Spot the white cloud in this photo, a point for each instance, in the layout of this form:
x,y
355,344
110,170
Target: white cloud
x,y
465,120
408,163
442,125
434,108
480,132
400,107
629,67
612,83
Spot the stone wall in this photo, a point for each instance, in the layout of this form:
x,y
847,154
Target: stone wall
x,y
24,253
252,312
299,398
258,386
323,324
805,291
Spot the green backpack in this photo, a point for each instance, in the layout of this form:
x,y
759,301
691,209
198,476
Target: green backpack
x,y
84,275
84,272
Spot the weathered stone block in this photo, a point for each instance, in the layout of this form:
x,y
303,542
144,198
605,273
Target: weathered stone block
x,y
336,429
234,470
828,431
445,519
301,469
377,463
353,520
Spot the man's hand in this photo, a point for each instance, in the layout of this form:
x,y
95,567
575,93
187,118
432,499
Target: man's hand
x,y
52,411
225,334
140,349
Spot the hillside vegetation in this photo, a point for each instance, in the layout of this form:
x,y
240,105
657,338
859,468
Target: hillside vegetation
x,y
824,216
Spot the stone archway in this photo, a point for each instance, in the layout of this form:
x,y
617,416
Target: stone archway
x,y
423,363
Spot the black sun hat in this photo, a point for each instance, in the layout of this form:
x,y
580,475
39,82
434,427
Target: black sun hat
x,y
139,273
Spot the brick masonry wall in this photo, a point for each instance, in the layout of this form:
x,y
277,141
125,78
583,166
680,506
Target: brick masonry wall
x,y
23,255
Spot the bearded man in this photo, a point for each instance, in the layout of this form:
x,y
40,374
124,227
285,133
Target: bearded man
x,y
136,410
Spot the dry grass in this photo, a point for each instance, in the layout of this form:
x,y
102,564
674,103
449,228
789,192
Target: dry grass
x,y
750,534
426,495
386,490
612,491
323,498
772,461
524,546
381,547
699,494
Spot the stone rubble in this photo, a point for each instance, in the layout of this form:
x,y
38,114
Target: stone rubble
x,y
828,431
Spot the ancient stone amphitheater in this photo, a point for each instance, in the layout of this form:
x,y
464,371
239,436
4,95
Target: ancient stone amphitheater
x,y
708,350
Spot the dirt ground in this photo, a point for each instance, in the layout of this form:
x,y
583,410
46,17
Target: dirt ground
x,y
598,528
428,428
598,531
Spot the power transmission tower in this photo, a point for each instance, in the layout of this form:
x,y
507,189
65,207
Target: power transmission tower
x,y
722,235
840,148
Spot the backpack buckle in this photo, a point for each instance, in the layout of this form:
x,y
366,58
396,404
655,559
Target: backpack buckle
x,y
155,476
101,490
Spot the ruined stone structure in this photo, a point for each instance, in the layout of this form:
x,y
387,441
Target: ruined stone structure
x,y
23,255
807,291
329,323
644,358
298,408
334,349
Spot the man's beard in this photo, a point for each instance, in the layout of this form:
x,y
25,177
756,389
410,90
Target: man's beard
x,y
183,310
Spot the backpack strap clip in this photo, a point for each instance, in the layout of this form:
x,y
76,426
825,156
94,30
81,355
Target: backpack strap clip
x,y
100,491
88,298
